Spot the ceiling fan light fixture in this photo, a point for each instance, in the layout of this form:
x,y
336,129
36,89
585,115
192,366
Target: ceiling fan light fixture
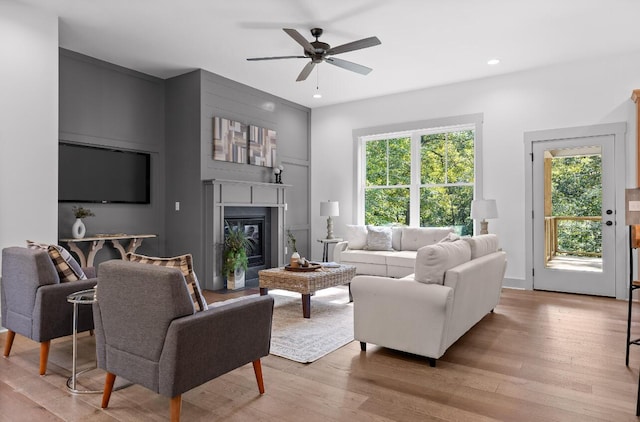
x,y
317,94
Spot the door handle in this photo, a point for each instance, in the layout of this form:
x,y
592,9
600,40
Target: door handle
x,y
609,212
609,223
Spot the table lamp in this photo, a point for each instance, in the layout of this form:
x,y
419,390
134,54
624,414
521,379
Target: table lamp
x,y
329,209
481,209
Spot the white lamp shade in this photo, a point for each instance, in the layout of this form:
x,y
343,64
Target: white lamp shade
x,y
482,209
329,209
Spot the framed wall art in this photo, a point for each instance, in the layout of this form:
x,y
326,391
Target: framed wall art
x,y
262,146
229,140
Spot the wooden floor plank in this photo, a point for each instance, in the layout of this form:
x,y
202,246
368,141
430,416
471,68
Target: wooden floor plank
x,y
540,356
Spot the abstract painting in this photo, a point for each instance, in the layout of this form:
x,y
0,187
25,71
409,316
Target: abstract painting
x,y
229,140
262,146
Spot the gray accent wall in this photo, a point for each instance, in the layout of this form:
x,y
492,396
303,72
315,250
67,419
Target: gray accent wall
x,y
102,104
193,99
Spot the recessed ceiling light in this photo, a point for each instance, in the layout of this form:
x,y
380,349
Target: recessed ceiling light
x,y
493,62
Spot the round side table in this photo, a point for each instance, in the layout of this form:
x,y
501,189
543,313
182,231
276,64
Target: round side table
x,y
83,297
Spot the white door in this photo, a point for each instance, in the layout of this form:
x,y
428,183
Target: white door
x,y
574,215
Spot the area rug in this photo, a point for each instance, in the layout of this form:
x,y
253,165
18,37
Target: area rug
x,y
306,340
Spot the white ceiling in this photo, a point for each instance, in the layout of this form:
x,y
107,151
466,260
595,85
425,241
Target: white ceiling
x,y
425,43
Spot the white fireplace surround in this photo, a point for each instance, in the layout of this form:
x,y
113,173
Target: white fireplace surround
x,y
233,193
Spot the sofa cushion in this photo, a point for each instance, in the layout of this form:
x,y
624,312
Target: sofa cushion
x,y
356,236
379,238
402,259
482,245
185,264
368,257
67,267
434,260
413,238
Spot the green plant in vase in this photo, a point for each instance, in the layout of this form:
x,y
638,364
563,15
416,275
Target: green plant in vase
x,y
235,261
81,212
78,229
295,256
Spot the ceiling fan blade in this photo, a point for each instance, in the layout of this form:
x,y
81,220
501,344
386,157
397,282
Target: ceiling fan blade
x,y
354,67
276,58
305,71
355,45
300,40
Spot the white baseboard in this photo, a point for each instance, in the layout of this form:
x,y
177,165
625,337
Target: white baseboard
x,y
514,283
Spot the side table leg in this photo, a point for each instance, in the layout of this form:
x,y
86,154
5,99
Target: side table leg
x,y
306,305
74,353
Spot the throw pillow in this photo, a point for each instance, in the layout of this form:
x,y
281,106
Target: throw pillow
x,y
185,264
356,236
67,267
482,245
379,238
434,260
396,237
451,237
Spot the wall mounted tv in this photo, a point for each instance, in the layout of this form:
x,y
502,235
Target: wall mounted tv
x,y
103,175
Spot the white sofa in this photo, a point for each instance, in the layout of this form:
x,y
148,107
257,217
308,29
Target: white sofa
x,y
391,258
454,286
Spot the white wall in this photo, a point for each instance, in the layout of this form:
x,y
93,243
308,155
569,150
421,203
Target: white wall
x,y
28,125
575,94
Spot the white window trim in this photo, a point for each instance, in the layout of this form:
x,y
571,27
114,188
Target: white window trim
x,y
415,129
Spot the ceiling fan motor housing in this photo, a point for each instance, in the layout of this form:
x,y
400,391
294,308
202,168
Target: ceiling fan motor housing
x,y
320,49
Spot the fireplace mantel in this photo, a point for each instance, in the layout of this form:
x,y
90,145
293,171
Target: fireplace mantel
x,y
221,193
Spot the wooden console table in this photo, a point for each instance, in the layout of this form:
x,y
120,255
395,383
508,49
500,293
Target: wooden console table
x,y
97,242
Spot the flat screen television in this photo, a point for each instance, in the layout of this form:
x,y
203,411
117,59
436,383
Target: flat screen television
x,y
103,175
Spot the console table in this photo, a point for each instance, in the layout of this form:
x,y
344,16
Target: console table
x,y
97,242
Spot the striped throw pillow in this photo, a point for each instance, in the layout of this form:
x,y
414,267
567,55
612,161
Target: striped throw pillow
x,y
185,264
67,267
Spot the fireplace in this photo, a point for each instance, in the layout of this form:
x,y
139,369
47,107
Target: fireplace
x,y
257,206
256,224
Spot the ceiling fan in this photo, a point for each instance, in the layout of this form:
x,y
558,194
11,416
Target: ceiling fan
x,y
319,51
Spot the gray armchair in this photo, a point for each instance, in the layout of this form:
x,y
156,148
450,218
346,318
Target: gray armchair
x,y
34,302
148,333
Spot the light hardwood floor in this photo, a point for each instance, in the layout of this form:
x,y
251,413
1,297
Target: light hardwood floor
x,y
540,357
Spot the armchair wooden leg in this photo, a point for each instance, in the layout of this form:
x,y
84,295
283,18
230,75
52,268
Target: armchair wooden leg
x,y
109,380
257,368
9,342
176,404
44,356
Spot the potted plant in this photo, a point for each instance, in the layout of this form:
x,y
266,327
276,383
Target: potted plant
x,y
295,256
78,229
235,261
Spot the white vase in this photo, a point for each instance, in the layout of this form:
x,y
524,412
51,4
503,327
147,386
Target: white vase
x,y
78,229
236,280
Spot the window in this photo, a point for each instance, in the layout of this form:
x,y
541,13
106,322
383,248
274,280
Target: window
x,y
388,181
424,177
